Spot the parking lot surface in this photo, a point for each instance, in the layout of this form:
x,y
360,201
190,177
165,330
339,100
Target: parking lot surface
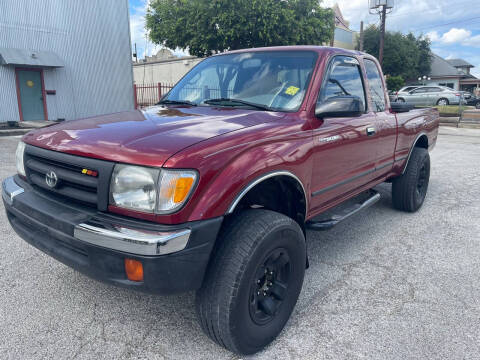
x,y
381,285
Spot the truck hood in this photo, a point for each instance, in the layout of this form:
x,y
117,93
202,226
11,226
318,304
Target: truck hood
x,y
146,137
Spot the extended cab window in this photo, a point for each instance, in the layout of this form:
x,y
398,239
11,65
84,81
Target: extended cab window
x,y
343,78
375,85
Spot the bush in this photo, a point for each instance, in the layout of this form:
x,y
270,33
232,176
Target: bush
x,y
395,83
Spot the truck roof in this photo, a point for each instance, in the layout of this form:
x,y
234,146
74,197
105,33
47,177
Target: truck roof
x,y
315,48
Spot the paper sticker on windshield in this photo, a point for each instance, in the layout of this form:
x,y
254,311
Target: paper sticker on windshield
x,y
292,90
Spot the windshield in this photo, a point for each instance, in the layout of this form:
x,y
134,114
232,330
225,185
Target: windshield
x,y
273,80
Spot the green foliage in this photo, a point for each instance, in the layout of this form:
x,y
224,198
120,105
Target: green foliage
x,y
395,83
403,55
210,26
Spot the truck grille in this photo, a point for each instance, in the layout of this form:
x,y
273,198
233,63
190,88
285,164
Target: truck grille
x,y
71,182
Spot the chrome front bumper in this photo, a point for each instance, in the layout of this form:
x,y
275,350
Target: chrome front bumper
x,y
10,189
133,241
115,236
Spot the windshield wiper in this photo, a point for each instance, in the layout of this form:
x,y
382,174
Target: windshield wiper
x,y
233,102
176,102
335,81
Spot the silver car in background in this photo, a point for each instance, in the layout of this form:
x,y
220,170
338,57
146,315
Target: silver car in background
x,y
430,96
404,90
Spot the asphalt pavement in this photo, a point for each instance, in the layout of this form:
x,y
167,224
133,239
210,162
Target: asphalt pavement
x,y
382,285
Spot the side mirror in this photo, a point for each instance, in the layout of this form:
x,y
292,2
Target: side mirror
x,y
340,106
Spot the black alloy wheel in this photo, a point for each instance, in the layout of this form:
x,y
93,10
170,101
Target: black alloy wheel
x,y
422,182
269,287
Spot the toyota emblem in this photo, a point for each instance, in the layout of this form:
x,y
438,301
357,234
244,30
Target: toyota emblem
x,y
51,179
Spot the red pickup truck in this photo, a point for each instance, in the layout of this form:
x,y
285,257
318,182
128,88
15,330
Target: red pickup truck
x,y
214,188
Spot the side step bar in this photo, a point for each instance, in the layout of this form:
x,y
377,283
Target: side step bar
x,y
343,214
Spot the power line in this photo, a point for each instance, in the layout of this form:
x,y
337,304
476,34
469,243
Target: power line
x,y
432,10
446,24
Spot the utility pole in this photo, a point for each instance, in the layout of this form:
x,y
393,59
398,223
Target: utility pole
x,y
383,16
381,7
361,36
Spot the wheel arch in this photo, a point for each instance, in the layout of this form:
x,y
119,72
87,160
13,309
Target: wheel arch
x,y
421,141
287,183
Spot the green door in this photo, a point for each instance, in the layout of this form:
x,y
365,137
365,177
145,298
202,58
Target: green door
x,y
31,99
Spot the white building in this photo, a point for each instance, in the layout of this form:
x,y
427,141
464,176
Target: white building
x,y
64,59
164,67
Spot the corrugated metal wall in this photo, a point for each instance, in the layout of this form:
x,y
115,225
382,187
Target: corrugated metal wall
x,y
92,37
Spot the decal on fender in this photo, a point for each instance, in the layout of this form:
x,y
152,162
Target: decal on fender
x,y
330,138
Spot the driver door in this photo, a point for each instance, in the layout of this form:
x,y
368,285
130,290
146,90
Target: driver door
x,y
418,96
344,155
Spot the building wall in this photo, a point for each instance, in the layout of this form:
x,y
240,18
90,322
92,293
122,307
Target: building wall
x,y
345,39
91,37
166,71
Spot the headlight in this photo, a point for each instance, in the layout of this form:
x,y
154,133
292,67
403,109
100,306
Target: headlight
x,y
19,158
150,190
134,187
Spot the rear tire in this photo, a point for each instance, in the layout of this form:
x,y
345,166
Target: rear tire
x,y
409,190
477,105
253,282
443,102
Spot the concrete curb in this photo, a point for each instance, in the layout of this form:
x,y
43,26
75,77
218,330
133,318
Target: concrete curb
x,y
449,121
14,132
470,123
24,127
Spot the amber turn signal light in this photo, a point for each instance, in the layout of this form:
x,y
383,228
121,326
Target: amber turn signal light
x,y
134,270
182,189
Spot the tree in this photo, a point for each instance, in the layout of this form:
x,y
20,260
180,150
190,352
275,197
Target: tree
x,y
404,55
395,83
209,26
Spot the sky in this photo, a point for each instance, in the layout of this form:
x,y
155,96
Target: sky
x,y
452,26
137,31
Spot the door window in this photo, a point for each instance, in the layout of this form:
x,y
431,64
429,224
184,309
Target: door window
x,y
420,91
343,78
375,85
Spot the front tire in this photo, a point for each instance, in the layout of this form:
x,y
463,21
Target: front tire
x,y
253,281
409,190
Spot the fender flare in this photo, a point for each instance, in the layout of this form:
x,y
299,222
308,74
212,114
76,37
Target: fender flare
x,y
413,147
264,177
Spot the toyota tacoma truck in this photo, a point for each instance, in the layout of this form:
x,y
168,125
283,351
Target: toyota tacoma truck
x,y
214,188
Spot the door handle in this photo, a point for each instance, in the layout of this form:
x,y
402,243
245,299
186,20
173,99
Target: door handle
x,y
371,131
